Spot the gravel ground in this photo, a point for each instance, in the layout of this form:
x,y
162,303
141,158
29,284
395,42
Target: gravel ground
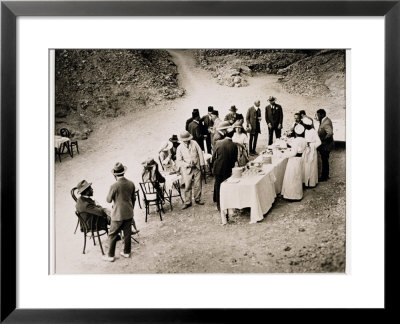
x,y
302,237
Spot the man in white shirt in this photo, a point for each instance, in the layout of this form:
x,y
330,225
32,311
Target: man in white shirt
x,y
190,158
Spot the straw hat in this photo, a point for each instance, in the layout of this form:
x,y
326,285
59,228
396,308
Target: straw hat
x,y
119,169
238,124
185,136
82,186
224,125
299,129
166,146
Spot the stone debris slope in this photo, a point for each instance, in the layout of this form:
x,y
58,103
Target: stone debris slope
x,y
98,84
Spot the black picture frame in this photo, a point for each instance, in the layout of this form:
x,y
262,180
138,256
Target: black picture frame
x,y
10,10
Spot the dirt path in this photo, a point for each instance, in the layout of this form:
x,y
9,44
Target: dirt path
x,y
194,241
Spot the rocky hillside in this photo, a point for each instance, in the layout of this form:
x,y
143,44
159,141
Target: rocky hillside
x,y
306,72
322,74
98,84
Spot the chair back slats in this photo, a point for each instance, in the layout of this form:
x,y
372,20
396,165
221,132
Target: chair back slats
x,y
162,166
64,132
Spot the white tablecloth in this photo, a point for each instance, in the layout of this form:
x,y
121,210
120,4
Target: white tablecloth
x,y
170,179
279,166
256,192
58,141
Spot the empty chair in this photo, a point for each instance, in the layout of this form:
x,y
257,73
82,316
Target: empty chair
x,y
66,133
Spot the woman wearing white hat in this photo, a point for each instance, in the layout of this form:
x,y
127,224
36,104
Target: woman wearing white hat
x,y
165,156
310,155
240,138
292,187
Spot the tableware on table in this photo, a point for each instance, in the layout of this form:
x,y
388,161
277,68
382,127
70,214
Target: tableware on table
x,y
237,172
232,180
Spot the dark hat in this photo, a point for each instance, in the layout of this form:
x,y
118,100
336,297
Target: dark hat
x,y
271,98
196,110
210,108
119,169
215,112
195,114
82,186
174,138
233,108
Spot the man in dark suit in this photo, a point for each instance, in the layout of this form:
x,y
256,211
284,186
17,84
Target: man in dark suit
x,y
233,116
219,133
122,194
191,118
325,133
196,130
208,124
253,118
274,119
224,158
85,205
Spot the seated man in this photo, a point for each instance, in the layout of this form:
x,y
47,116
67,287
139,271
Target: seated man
x,y
85,205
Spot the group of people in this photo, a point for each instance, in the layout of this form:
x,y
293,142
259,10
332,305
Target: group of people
x,y
122,195
220,145
230,144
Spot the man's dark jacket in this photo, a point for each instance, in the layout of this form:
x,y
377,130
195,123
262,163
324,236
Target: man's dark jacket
x,y
274,116
224,157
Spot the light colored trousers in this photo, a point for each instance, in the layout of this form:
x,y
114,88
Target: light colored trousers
x,y
194,176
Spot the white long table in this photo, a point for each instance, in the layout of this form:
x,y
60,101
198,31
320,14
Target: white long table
x,y
257,192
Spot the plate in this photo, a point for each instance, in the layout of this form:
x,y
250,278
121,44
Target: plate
x,y
233,180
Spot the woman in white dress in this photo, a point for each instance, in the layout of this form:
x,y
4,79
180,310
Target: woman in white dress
x,y
311,155
240,138
292,187
165,157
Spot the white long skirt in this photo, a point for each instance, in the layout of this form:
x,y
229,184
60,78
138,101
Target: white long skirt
x,y
292,187
310,168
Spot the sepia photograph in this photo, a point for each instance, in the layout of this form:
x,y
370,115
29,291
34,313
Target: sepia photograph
x,y
198,161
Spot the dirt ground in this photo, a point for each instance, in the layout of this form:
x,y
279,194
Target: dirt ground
x,y
305,236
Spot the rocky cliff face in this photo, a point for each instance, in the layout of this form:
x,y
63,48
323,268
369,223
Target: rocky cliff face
x,y
322,74
305,72
97,84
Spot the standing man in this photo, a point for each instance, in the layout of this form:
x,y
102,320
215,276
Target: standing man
x,y
297,121
122,194
220,132
325,133
208,124
191,161
233,116
253,118
196,130
216,121
274,119
191,118
303,115
224,159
